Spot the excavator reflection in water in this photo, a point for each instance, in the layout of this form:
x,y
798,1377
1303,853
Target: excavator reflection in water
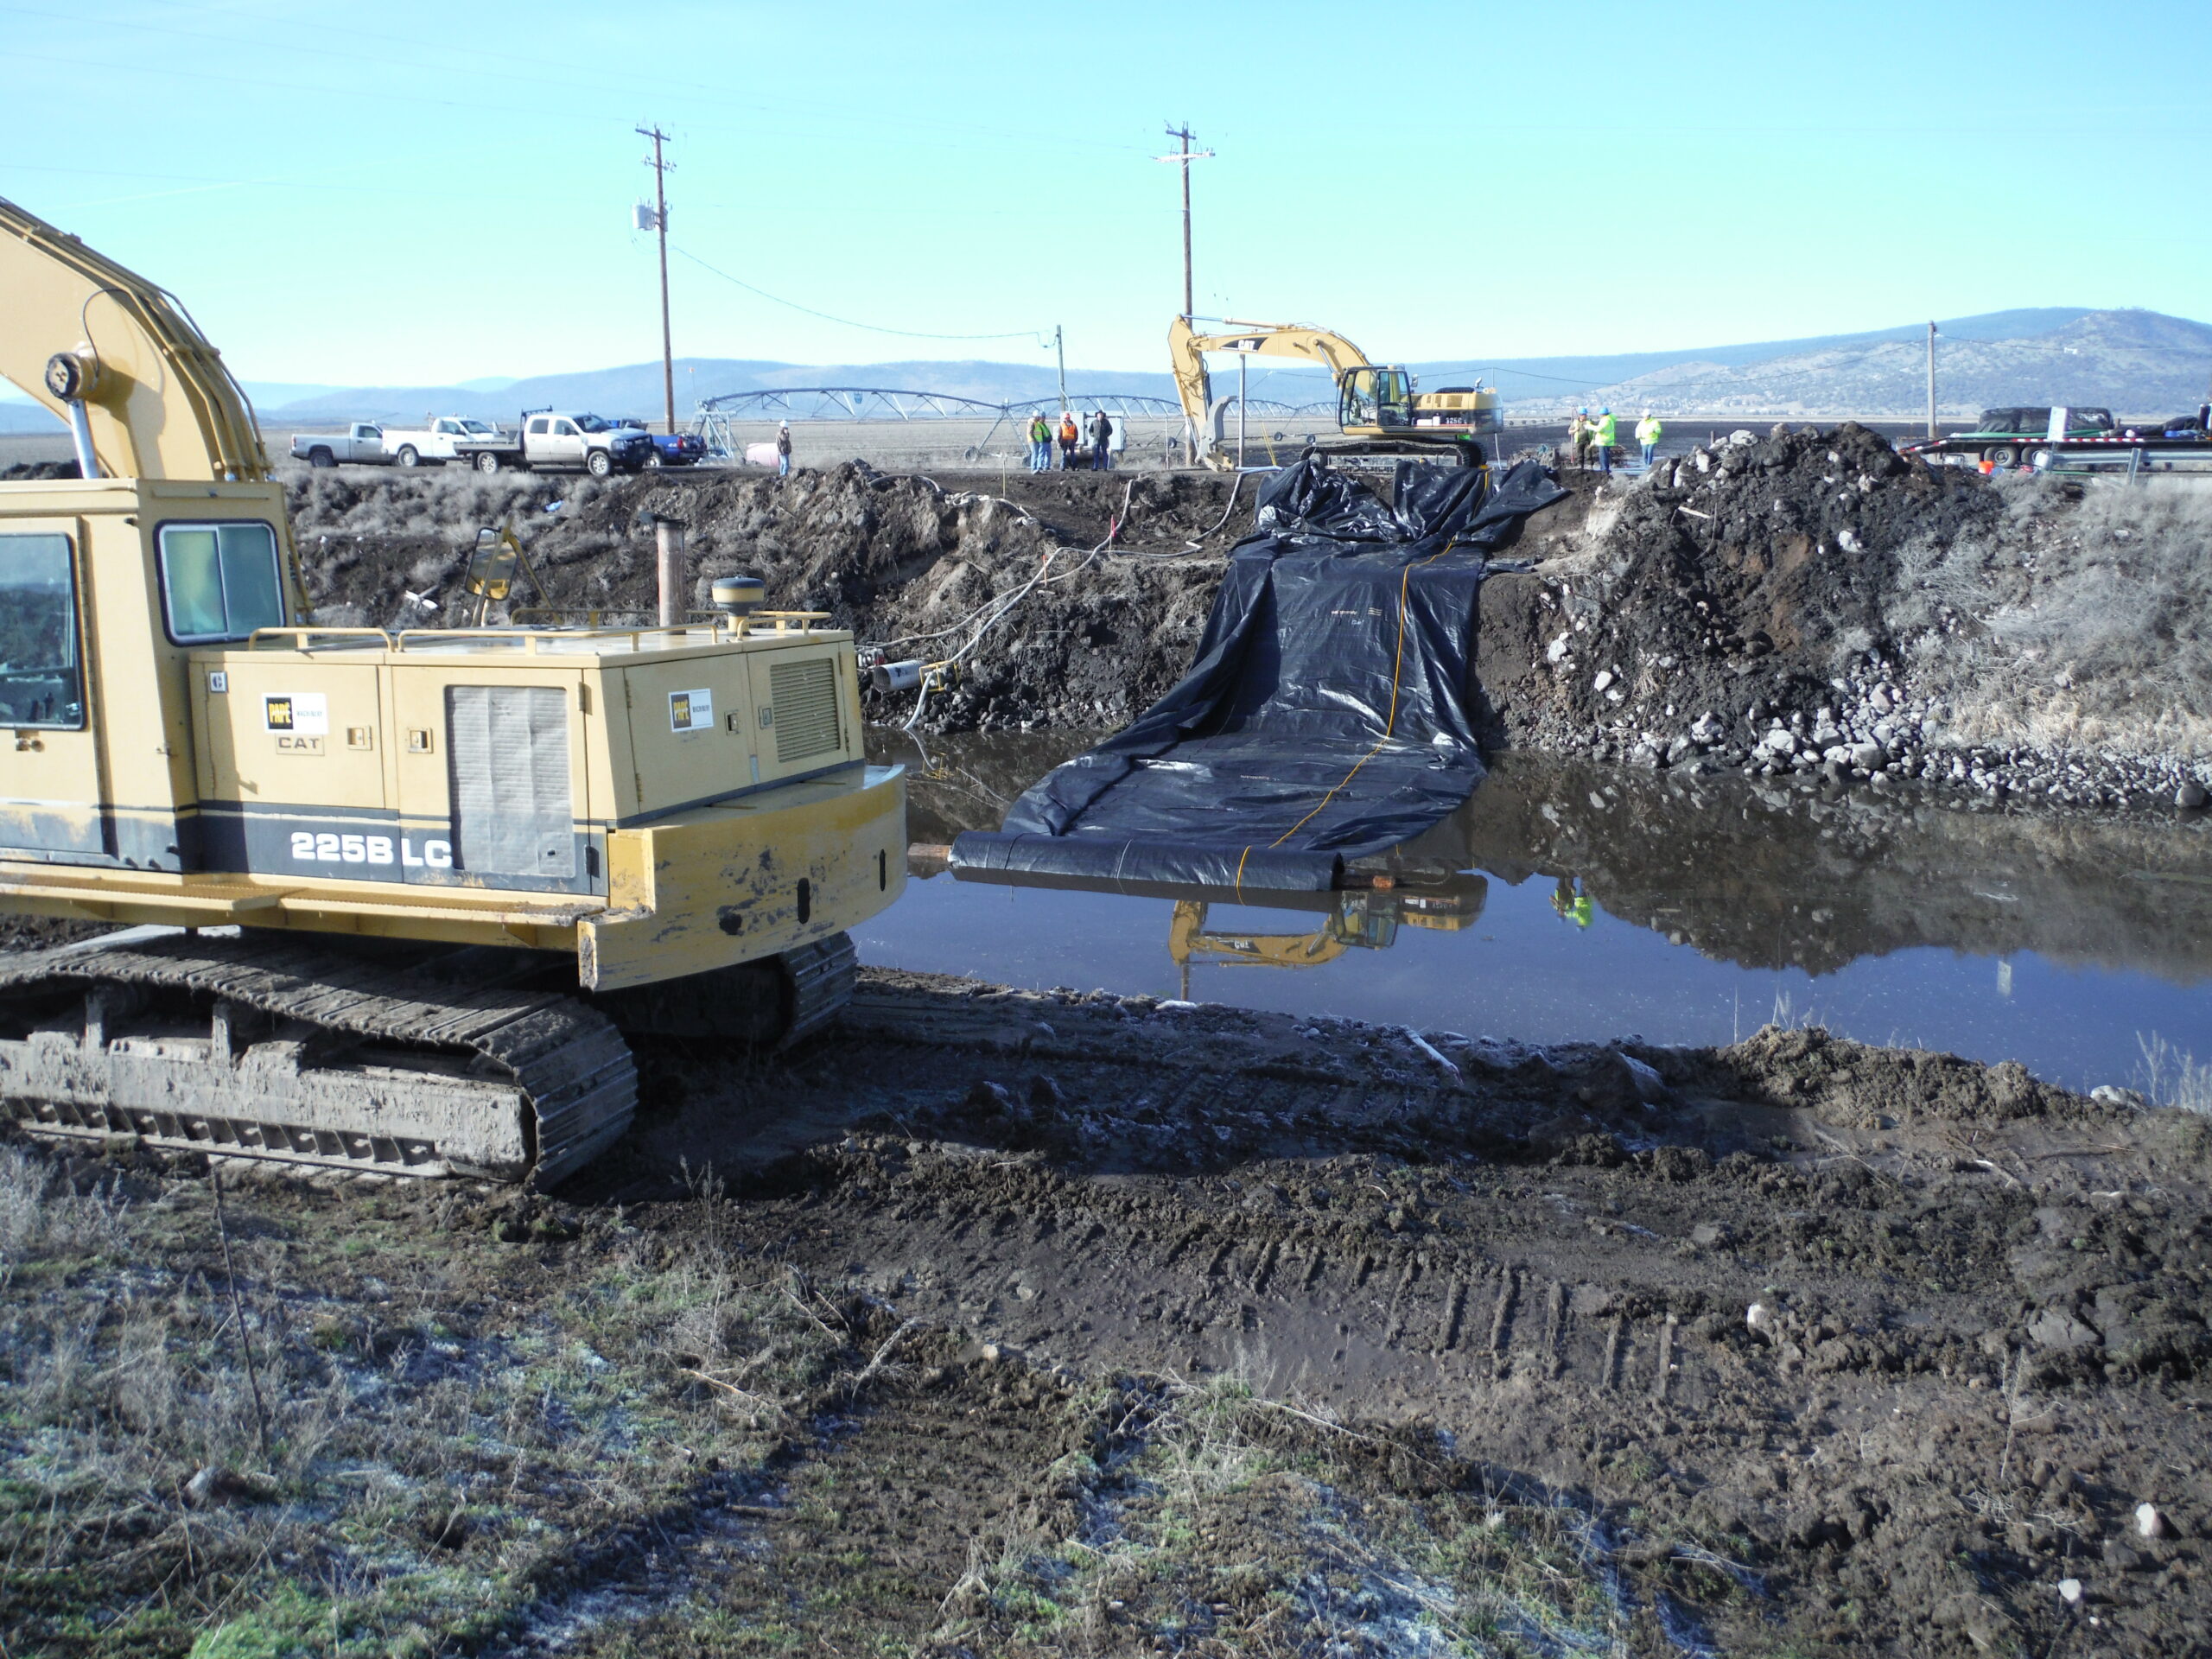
x,y
1364,919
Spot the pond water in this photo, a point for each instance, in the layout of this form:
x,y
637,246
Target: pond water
x,y
1568,901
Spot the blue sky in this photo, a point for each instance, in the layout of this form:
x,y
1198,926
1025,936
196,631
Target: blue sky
x,y
432,192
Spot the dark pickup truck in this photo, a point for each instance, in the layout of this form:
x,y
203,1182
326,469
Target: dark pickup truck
x,y
671,448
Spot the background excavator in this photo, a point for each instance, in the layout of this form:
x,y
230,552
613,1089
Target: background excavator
x,y
400,894
1378,412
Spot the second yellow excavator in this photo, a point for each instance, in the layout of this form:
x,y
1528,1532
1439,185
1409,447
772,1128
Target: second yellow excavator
x,y
1378,411
402,894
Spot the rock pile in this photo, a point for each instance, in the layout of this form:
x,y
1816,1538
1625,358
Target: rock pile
x,y
1761,605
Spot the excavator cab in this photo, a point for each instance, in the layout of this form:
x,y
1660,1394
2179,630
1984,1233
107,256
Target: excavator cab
x,y
1369,396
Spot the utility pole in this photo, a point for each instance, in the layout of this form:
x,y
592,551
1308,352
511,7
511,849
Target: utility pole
x,y
1059,345
1931,380
1183,158
660,225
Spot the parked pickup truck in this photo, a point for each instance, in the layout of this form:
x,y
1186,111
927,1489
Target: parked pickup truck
x,y
672,449
361,442
412,446
553,438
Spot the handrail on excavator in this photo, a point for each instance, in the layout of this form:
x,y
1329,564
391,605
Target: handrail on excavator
x,y
355,638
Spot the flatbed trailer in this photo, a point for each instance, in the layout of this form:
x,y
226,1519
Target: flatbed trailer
x,y
2131,455
2181,445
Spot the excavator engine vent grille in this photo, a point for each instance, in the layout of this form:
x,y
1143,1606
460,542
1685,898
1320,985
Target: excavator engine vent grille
x,y
507,749
806,698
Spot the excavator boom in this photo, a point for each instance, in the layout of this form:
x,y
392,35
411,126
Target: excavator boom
x,y
121,361
1186,351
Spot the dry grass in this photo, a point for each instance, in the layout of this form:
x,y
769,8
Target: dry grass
x,y
1221,1521
2174,1077
41,1215
2077,626
444,1455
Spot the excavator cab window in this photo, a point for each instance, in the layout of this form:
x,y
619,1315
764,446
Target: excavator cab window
x,y
41,682
1373,397
220,581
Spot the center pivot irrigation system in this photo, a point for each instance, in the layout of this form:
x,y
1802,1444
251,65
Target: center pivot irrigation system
x,y
716,416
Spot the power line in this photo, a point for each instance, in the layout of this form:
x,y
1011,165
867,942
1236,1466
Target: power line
x,y
848,322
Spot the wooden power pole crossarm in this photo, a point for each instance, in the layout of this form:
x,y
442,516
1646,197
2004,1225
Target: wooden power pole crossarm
x,y
660,225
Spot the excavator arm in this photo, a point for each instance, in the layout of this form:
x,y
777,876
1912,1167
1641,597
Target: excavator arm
x,y
1186,350
144,393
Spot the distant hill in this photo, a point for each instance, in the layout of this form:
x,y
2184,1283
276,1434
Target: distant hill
x,y
2138,363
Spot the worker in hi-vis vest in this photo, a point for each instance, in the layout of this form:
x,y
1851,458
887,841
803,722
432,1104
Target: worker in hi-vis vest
x,y
1602,439
1647,436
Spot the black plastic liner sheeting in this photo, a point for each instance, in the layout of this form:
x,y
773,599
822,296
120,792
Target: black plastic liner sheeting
x,y
1314,726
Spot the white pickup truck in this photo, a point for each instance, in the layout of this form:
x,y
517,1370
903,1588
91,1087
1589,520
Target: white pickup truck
x,y
556,439
362,442
412,446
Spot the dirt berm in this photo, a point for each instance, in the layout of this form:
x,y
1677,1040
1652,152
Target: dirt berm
x,y
1806,603
1812,602
920,570
1013,1324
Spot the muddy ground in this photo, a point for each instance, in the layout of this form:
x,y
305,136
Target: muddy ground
x,y
997,1322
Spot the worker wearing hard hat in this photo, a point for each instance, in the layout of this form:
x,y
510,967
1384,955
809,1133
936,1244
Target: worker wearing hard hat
x,y
1607,431
1647,436
1578,434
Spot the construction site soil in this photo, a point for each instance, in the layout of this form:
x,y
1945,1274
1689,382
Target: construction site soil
x,y
1002,1323
999,1322
1805,602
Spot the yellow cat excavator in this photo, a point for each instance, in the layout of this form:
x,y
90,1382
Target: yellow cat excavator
x,y
397,896
1378,412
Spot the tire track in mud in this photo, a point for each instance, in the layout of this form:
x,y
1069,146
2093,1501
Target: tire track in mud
x,y
1543,1264
1051,1270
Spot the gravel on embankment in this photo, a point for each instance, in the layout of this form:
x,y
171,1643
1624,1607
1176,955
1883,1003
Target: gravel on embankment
x,y
1813,606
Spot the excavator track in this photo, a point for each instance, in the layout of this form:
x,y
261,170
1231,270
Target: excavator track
x,y
310,1053
418,1060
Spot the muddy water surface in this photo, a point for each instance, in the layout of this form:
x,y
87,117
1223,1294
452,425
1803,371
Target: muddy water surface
x,y
1568,901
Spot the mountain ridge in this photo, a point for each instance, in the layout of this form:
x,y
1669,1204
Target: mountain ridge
x,y
2138,363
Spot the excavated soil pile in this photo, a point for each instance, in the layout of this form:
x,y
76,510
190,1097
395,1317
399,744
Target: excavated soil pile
x,y
1089,635
1812,602
1808,605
